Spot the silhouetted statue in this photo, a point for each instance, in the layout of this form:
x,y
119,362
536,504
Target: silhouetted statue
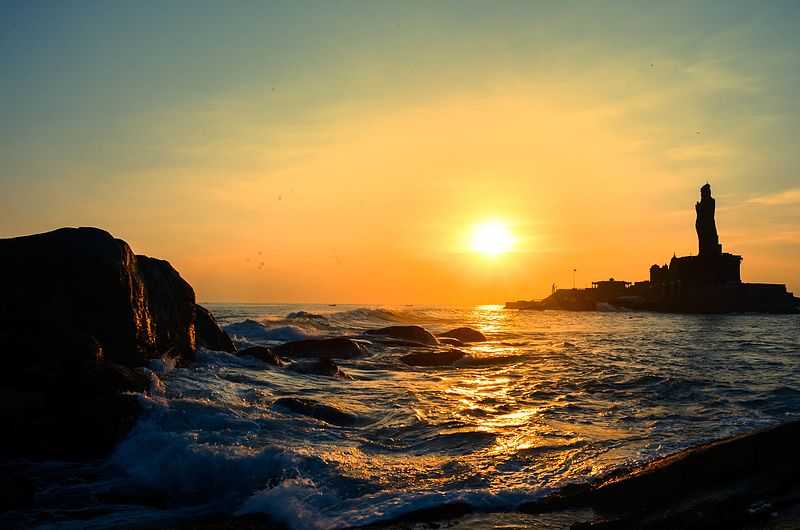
x,y
706,227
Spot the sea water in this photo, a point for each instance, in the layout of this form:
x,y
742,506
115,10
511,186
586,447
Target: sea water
x,y
551,398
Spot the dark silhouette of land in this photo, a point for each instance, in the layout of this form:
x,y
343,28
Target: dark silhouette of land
x,y
709,282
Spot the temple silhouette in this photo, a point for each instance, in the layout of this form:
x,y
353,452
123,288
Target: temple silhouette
x,y
709,282
711,266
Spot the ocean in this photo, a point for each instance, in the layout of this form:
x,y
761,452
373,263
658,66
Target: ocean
x,y
552,398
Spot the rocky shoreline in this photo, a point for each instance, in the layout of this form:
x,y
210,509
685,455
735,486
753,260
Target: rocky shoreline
x,y
83,318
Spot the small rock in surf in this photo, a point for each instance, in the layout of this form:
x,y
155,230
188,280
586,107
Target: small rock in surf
x,y
465,334
262,353
410,333
332,348
314,409
324,367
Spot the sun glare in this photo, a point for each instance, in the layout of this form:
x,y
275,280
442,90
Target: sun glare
x,y
492,238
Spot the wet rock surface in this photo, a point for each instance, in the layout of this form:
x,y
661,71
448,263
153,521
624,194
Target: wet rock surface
x,y
315,409
413,334
464,334
329,348
171,309
324,367
725,484
209,334
262,353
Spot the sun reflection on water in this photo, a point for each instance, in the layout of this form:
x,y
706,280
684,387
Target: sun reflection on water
x,y
549,398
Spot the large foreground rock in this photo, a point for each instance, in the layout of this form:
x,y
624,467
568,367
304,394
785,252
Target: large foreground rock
x,y
79,312
416,334
83,283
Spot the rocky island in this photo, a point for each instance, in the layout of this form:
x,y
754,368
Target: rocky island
x,y
709,282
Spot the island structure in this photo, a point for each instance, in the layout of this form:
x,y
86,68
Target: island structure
x,y
709,282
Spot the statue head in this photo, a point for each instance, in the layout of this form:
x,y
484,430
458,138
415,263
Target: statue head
x,y
705,191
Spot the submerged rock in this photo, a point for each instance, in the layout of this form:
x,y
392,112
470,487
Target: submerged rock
x,y
331,348
464,334
324,367
262,353
314,409
416,334
433,358
208,333
450,341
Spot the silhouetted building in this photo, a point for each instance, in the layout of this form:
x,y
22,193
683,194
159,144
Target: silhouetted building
x,y
710,282
608,290
711,267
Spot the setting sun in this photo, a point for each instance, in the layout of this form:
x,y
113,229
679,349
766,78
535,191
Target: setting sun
x,y
492,238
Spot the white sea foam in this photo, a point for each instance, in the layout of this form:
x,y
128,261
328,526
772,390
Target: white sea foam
x,y
291,502
254,332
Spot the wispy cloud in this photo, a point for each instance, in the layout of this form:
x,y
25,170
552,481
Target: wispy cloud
x,y
790,196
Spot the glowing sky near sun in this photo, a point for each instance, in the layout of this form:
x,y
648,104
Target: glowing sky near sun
x,y
344,151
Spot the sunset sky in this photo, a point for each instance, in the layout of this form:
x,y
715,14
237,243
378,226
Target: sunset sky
x,y
345,151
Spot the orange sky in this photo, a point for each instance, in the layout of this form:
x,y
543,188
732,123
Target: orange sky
x,y
359,179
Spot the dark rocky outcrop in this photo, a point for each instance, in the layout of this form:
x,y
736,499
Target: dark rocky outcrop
x,y
465,335
330,348
79,312
208,333
450,341
416,334
433,358
84,284
723,484
171,308
262,353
